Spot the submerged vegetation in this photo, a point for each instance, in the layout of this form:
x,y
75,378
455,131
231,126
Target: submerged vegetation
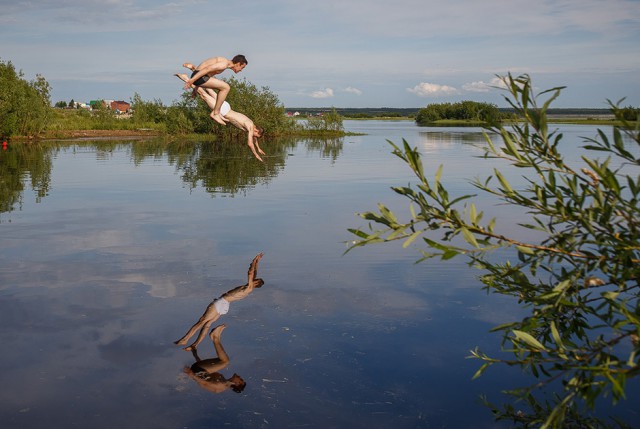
x,y
579,286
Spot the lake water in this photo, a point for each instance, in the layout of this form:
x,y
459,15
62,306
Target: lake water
x,y
111,250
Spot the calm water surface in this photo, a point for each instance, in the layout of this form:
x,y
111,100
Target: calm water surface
x,y
110,251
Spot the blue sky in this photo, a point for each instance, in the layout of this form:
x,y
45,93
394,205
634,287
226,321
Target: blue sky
x,y
342,53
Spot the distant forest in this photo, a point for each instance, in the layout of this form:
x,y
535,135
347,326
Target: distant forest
x,y
410,112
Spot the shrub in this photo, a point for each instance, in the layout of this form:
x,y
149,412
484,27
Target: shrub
x,y
463,111
25,106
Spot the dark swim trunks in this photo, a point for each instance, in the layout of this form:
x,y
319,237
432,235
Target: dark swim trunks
x,y
197,369
202,79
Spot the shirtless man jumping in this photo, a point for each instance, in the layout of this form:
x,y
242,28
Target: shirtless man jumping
x,y
204,76
238,119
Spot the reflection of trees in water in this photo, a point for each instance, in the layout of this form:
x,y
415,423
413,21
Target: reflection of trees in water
x,y
437,139
228,166
328,147
19,164
219,167
452,137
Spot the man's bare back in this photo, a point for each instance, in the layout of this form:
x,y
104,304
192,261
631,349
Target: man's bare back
x,y
216,65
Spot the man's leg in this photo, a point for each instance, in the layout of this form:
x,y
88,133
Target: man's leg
x,y
202,333
209,96
209,315
223,89
215,337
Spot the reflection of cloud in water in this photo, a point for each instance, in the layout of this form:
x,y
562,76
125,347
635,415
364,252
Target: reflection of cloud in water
x,y
160,286
330,302
74,253
128,351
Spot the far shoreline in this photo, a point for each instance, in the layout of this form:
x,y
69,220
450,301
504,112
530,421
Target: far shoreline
x,y
143,133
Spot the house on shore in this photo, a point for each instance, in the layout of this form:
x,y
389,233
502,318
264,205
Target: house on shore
x,y
120,106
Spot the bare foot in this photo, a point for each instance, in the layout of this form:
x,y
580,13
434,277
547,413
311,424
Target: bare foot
x,y
218,118
189,66
180,342
189,349
217,331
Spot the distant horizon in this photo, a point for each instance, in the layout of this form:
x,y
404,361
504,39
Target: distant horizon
x,y
422,107
328,108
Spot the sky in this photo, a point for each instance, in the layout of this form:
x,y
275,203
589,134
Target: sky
x,y
331,53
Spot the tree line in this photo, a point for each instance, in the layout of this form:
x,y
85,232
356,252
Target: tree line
x,y
25,109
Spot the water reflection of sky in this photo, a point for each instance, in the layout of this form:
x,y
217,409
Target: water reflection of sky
x,y
117,261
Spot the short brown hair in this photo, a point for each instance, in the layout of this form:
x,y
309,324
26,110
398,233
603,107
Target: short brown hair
x,y
239,59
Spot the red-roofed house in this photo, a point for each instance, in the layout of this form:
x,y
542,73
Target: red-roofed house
x,y
120,106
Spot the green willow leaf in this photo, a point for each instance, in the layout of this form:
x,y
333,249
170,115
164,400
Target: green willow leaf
x,y
525,250
529,340
411,238
469,237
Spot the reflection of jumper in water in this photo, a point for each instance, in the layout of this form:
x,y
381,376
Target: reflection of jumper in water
x,y
220,305
205,371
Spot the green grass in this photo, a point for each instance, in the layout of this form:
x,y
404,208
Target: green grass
x,y
77,119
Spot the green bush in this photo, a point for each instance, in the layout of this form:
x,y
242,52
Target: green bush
x,y
462,111
24,106
329,122
259,104
178,121
630,114
147,111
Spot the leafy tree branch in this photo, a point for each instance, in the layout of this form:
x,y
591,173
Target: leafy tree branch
x,y
579,283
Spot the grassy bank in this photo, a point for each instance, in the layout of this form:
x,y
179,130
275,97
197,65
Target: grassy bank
x,y
75,123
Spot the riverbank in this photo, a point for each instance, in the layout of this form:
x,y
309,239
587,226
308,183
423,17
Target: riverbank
x,y
608,120
64,134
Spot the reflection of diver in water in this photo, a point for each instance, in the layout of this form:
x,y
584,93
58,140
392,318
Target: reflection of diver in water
x,y
220,306
205,371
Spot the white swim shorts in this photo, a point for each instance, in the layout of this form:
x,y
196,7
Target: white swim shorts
x,y
224,109
221,305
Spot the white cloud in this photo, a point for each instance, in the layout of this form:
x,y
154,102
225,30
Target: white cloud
x,y
322,93
353,90
425,89
478,86
481,86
